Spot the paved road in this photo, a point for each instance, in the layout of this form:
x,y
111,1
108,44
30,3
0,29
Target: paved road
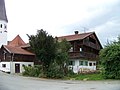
x,y
15,82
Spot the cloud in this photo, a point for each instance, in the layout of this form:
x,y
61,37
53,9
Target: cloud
x,y
62,17
105,21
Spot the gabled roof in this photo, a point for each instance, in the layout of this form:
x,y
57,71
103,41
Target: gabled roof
x,y
3,15
75,36
15,46
17,41
80,36
17,50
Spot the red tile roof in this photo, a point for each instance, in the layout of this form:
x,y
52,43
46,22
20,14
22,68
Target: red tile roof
x,y
17,50
17,41
75,36
16,46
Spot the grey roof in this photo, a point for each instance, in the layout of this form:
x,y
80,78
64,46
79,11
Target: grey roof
x,y
3,15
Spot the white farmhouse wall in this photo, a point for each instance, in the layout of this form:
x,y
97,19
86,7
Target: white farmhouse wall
x,y
5,69
3,33
10,66
21,66
76,68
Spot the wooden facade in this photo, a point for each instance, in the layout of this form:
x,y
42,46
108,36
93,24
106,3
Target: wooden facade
x,y
87,48
83,55
15,55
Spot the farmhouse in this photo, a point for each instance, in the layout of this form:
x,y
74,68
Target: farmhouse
x,y
84,51
15,55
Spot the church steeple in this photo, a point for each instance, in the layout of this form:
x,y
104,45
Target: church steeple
x,y
3,15
3,24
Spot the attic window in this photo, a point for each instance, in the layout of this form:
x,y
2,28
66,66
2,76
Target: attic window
x,y
92,40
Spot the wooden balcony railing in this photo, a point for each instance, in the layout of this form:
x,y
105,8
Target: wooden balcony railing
x,y
85,55
91,45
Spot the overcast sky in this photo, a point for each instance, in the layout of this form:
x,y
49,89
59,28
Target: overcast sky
x,y
63,17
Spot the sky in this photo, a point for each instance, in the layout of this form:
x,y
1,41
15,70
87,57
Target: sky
x,y
63,17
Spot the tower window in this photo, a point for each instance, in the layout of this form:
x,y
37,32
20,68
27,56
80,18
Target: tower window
x,y
1,25
5,26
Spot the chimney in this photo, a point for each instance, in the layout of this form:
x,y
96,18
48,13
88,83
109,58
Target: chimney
x,y
76,32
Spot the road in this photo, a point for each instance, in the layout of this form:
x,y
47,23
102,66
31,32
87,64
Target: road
x,y
15,82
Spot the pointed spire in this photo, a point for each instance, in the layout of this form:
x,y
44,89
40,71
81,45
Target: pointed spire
x,y
3,15
17,41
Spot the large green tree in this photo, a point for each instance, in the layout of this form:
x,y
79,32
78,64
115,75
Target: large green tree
x,y
110,60
44,47
62,56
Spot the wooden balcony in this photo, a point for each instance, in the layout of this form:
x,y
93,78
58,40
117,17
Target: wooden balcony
x,y
84,55
90,44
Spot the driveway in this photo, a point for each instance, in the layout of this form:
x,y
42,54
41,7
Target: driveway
x,y
15,82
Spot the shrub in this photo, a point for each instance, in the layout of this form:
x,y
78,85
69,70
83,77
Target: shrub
x,y
54,71
110,61
32,71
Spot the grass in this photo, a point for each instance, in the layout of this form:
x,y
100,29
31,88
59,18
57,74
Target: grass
x,y
96,76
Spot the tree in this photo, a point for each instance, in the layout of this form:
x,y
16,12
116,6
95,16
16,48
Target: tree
x,y
110,60
62,56
43,45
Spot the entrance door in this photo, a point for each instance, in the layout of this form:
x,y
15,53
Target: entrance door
x,y
17,68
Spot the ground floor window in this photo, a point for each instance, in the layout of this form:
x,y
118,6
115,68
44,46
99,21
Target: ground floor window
x,y
72,63
29,65
90,64
83,63
4,65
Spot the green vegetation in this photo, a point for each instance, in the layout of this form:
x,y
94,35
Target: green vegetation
x,y
110,60
95,76
52,54
54,58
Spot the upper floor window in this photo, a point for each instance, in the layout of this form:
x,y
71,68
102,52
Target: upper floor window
x,y
80,49
71,49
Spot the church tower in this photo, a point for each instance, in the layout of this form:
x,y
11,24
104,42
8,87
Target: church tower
x,y
3,24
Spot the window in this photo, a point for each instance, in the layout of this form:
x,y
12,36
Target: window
x,y
5,26
83,63
86,63
0,25
94,64
72,63
23,65
71,49
90,64
29,65
4,65
80,49
80,63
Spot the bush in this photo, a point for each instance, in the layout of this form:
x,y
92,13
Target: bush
x,y
32,71
110,61
54,71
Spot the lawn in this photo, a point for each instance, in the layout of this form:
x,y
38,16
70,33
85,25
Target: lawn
x,y
85,77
